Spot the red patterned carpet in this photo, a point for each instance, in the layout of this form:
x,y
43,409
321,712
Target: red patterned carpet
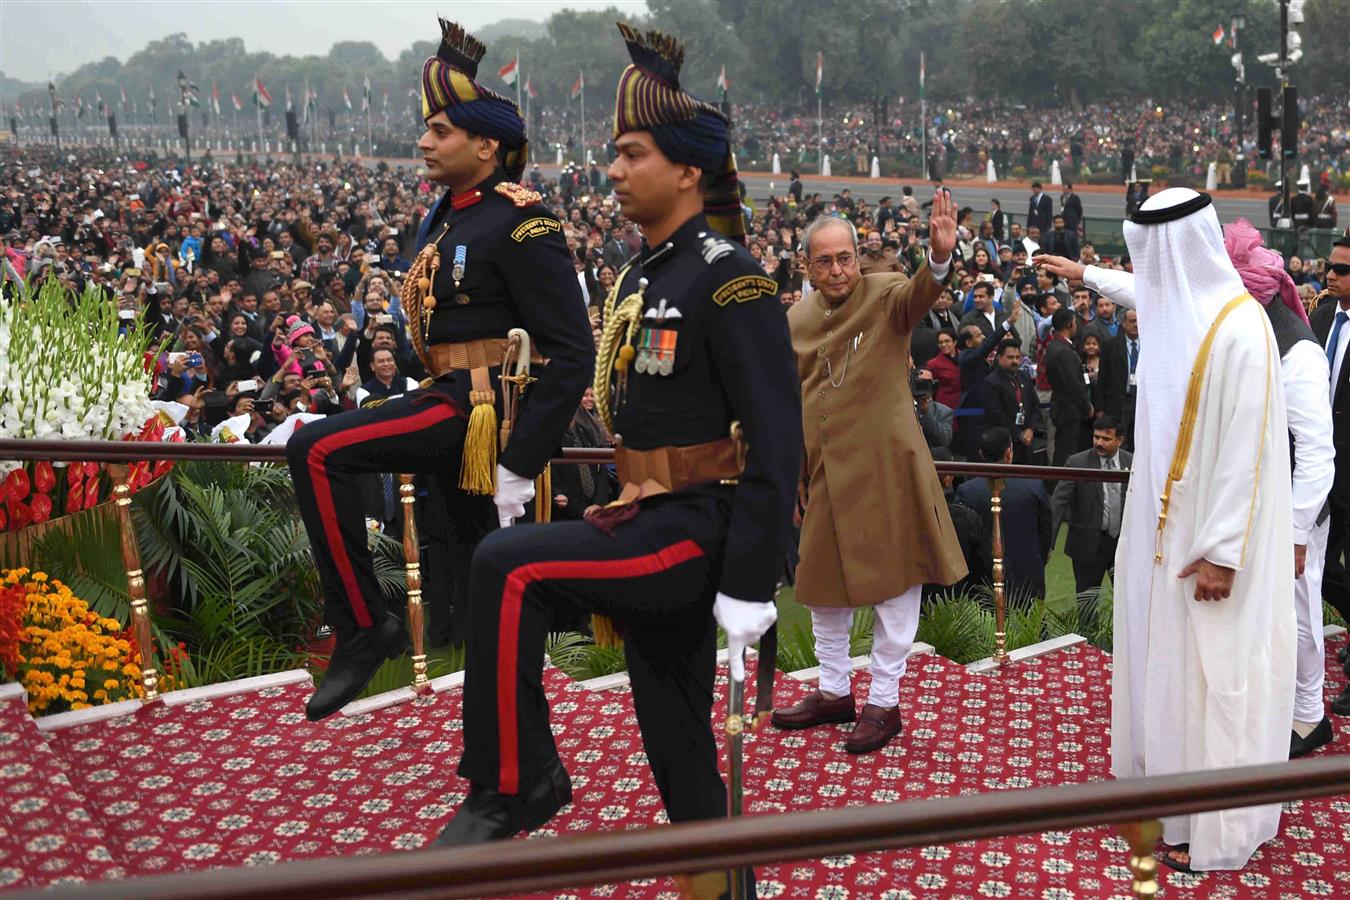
x,y
245,780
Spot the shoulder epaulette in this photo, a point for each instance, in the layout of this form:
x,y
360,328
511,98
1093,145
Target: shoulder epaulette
x,y
715,248
518,194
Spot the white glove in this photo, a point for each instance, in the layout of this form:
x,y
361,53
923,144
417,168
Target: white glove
x,y
744,622
513,492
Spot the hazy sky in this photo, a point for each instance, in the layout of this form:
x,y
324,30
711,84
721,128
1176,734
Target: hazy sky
x,y
44,38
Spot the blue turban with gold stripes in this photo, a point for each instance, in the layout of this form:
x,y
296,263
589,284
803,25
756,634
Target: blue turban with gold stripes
x,y
687,129
448,85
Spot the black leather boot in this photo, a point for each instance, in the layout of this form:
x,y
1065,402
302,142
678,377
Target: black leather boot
x,y
353,664
489,815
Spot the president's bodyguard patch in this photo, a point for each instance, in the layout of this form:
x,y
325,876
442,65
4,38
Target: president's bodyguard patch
x,y
532,228
745,288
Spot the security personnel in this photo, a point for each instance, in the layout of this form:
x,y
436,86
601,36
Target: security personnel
x,y
695,341
491,259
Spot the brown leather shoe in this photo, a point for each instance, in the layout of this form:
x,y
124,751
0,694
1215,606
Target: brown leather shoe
x,y
816,709
876,726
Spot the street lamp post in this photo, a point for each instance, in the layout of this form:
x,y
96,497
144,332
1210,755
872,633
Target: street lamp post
x,y
1240,100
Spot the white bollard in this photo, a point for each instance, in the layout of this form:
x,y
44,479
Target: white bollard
x,y
1133,175
876,167
1055,177
777,165
989,174
825,166
559,160
1304,176
1212,177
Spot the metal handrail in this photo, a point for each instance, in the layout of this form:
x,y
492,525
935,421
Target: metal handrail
x,y
136,451
558,862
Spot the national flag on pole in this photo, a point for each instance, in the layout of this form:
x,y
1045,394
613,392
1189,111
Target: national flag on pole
x,y
529,89
386,99
290,106
238,104
508,72
261,98
123,91
579,86
215,97
1218,36
79,107
365,94
98,100
922,67
188,90
722,84
153,104
346,98
820,70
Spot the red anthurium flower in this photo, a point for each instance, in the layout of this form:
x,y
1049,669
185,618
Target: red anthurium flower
x,y
90,469
16,485
91,493
75,475
44,477
4,518
21,514
42,508
75,501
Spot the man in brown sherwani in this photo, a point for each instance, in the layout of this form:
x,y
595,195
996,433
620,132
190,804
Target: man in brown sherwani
x,y
875,527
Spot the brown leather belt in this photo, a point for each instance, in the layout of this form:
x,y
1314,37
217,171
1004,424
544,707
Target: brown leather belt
x,y
485,353
645,473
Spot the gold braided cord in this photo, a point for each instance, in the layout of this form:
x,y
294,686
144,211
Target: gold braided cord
x,y
416,288
621,323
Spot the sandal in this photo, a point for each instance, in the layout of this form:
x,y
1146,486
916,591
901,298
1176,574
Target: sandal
x,y
1168,860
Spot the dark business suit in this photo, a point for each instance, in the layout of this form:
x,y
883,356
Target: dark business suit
x,y
981,321
1060,243
1071,208
1040,213
1070,403
1091,548
1002,401
1335,583
1027,535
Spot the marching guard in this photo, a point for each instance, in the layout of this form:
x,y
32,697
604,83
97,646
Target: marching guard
x,y
696,378
491,259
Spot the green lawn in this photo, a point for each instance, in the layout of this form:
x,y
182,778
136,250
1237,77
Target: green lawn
x,y
1058,583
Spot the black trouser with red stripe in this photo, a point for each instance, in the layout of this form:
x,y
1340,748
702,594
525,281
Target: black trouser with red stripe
x,y
414,434
657,576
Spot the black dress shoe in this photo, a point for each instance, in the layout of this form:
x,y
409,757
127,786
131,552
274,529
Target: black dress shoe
x,y
1318,737
1341,705
354,662
489,815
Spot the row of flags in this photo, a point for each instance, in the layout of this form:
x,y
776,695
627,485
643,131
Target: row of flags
x,y
190,95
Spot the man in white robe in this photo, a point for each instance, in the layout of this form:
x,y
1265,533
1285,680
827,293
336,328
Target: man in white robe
x,y
1205,631
1305,375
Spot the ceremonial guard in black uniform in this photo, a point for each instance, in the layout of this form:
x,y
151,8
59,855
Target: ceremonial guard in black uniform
x,y
491,260
696,378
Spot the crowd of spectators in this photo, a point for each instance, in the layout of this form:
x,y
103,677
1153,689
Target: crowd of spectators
x,y
273,289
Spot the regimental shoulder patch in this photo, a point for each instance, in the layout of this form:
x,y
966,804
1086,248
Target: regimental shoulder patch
x,y
518,194
536,227
716,248
744,289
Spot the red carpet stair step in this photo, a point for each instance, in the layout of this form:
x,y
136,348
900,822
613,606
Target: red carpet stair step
x,y
47,835
245,780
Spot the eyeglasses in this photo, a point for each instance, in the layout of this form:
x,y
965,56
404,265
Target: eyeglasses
x,y
827,263
1339,268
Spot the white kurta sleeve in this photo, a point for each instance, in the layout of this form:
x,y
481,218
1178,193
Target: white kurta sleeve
x,y
1307,398
1116,285
1240,396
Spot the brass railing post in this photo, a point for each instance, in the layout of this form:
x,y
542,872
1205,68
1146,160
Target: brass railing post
x,y
1143,837
412,568
131,559
1000,612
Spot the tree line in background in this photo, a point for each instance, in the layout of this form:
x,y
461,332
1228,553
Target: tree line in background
x,y
1032,52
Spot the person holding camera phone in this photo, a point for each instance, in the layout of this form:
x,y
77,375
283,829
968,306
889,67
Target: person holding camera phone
x,y
500,263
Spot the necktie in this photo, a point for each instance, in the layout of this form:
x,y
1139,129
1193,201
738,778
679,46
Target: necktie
x,y
1336,337
1134,355
1111,492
